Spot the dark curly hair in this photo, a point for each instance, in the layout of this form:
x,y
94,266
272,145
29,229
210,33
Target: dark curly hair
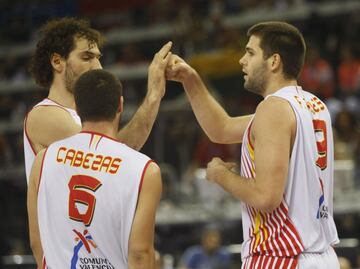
x,y
58,36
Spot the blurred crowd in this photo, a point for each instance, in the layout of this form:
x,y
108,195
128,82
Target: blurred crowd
x,y
201,33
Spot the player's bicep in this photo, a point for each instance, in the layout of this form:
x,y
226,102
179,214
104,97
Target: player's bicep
x,y
234,129
272,132
142,232
46,125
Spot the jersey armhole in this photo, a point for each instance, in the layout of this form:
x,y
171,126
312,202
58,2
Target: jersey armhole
x,y
26,117
143,175
27,135
41,169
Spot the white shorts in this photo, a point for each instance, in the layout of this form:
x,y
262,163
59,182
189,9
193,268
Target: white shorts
x,y
325,260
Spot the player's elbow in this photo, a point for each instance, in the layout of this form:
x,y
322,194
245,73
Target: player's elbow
x,y
268,203
222,133
218,137
36,249
141,258
214,138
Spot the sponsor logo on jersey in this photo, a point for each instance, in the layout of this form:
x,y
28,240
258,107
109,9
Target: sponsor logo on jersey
x,y
87,261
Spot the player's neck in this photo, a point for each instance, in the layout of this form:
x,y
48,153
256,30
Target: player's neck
x,y
103,127
61,95
276,84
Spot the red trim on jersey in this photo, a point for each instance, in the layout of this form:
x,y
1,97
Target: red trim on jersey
x,y
56,105
263,261
44,263
41,169
91,139
250,168
282,237
27,135
292,229
59,103
248,135
98,143
253,261
38,105
25,129
96,133
143,174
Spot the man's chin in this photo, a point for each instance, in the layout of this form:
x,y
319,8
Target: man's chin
x,y
246,86
252,89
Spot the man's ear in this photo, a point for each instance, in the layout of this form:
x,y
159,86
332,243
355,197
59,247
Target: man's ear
x,y
275,62
57,62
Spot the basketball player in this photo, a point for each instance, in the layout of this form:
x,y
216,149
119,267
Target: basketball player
x,y
286,178
92,199
68,47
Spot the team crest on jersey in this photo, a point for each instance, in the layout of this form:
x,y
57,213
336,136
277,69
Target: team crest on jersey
x,y
83,249
322,212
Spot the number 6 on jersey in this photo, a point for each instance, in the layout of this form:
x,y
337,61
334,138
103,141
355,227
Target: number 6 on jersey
x,y
79,186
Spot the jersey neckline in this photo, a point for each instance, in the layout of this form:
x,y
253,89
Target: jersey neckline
x,y
103,135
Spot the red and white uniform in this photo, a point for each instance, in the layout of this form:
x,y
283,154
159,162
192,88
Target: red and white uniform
x,y
88,192
28,147
303,223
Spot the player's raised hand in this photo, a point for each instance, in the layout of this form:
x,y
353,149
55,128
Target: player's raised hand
x,y
178,70
156,72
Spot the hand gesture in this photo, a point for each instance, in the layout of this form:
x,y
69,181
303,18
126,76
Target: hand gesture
x,y
156,74
178,70
217,167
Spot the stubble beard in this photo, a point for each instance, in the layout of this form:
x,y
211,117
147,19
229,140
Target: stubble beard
x,y
257,83
70,78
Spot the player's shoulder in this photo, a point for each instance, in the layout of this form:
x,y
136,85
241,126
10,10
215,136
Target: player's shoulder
x,y
273,112
130,151
41,113
47,108
114,146
273,105
152,168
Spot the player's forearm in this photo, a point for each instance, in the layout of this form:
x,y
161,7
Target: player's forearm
x,y
141,259
248,191
137,131
37,251
209,113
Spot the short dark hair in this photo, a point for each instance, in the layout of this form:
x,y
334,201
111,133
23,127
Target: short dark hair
x,y
97,95
58,36
284,39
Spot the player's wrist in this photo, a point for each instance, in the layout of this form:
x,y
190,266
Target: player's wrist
x,y
191,78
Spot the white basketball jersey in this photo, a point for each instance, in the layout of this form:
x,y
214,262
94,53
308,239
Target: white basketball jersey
x,y
304,220
87,199
29,151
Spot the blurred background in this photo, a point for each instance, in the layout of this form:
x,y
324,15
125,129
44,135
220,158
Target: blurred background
x,y
211,36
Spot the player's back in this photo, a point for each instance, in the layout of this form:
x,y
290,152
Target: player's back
x,y
87,200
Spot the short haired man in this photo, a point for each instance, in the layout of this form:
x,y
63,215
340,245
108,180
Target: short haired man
x,y
286,177
91,199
